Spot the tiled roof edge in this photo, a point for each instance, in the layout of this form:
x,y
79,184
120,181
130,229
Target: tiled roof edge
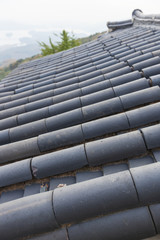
x,y
119,24
137,17
52,210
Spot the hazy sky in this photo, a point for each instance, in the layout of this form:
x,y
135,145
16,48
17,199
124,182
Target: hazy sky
x,y
85,16
72,14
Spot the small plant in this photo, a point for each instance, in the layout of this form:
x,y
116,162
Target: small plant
x,y
66,42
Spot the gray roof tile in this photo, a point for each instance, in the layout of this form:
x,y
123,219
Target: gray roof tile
x,y
88,120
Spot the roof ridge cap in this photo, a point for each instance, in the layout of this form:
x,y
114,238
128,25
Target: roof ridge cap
x,y
137,17
119,24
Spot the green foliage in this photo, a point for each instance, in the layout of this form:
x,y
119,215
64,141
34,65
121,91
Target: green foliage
x,y
6,70
66,42
46,49
3,73
74,42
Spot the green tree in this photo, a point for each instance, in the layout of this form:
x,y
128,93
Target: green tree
x,y
74,42
48,49
66,42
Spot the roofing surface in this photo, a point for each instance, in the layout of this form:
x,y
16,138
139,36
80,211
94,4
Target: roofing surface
x,y
80,140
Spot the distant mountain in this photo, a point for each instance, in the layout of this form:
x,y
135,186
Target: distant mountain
x,y
14,52
7,63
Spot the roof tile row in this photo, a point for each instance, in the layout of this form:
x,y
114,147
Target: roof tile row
x,y
75,203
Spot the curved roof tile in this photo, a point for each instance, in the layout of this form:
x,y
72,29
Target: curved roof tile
x,y
80,140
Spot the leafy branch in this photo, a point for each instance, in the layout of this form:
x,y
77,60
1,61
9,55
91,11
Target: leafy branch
x,y
66,42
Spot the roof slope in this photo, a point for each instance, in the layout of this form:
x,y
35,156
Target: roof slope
x,y
80,141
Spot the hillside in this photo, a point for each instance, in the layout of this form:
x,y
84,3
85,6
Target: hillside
x,y
9,65
90,38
